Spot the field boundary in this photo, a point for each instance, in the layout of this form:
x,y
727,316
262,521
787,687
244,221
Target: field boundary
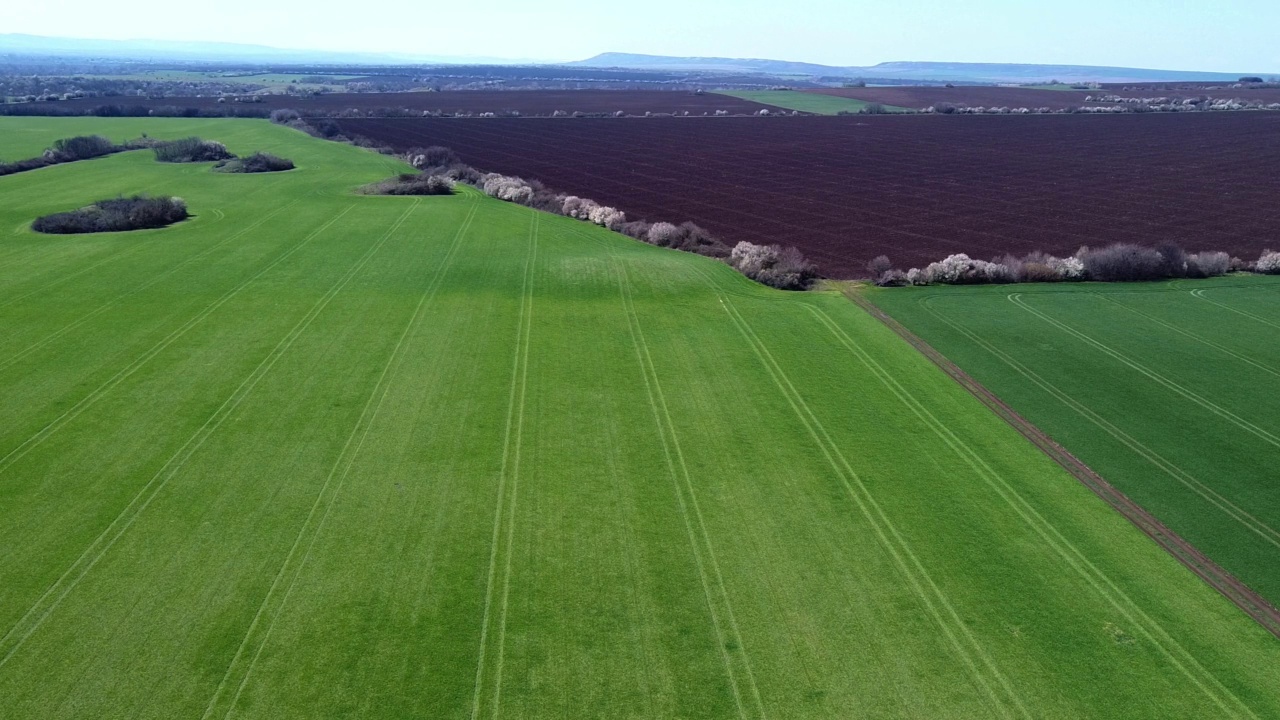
x,y
1253,604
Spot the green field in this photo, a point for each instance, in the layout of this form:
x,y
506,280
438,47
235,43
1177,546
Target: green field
x,y
1168,390
313,454
805,102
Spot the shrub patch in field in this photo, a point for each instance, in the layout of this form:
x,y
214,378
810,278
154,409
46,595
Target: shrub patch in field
x,y
255,163
411,184
134,213
192,150
65,150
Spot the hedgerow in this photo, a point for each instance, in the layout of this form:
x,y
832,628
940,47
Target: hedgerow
x,y
1121,262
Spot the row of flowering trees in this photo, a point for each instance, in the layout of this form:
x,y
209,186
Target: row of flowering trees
x,y
1121,262
779,267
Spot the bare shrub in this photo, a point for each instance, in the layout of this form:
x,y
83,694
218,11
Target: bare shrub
x,y
892,278
1123,262
546,201
636,229
1173,260
1033,271
879,266
463,174
697,240
284,116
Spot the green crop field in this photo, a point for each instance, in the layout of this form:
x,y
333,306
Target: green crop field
x,y
313,454
805,102
1168,390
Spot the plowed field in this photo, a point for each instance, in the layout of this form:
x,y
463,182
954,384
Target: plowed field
x,y
845,189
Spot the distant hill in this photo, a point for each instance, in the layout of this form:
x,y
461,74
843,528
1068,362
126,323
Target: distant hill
x,y
940,71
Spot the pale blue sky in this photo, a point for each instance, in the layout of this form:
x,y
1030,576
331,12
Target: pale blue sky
x,y
1220,35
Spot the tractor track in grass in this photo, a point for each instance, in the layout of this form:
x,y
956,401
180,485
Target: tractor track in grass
x,y
74,411
47,603
1199,293
505,512
662,418
1042,526
1221,502
1253,604
152,281
982,669
1252,428
340,470
1170,326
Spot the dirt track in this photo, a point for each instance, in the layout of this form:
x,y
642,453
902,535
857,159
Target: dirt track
x,y
1224,582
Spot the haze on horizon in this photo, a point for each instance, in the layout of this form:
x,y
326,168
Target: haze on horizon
x,y
1222,36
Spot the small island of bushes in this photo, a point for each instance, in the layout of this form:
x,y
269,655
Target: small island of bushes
x,y
120,214
255,163
411,184
197,150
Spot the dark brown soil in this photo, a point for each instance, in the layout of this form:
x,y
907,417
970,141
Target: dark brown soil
x,y
915,188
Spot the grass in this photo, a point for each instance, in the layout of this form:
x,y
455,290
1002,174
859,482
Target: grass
x,y
316,454
1167,389
805,102
26,139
